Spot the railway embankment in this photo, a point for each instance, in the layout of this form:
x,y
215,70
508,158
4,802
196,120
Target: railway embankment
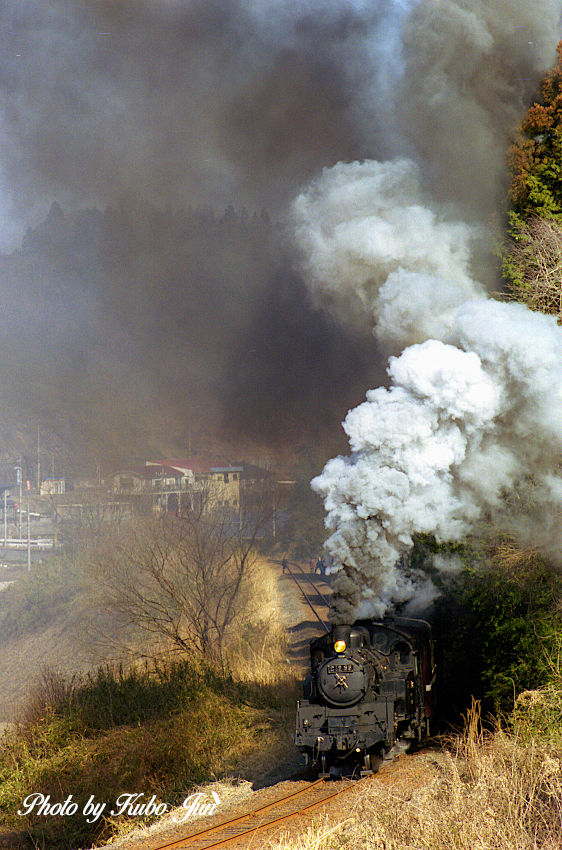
x,y
159,728
173,734
304,608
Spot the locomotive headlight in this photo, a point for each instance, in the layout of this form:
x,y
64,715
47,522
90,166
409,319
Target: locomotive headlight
x,y
340,646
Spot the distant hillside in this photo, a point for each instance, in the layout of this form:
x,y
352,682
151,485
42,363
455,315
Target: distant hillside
x,y
132,331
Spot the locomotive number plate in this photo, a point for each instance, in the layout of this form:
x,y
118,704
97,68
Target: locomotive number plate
x,y
340,668
335,723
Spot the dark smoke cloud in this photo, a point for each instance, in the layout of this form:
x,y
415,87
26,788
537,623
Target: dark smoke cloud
x,y
126,336
292,368
165,318
243,101
471,67
131,316
187,102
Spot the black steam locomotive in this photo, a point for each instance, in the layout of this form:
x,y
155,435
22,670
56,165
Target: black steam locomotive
x,y
370,685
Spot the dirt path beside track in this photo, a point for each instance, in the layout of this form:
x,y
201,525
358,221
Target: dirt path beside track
x,y
296,615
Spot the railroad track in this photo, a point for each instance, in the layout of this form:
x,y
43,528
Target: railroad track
x,y
306,576
246,826
299,583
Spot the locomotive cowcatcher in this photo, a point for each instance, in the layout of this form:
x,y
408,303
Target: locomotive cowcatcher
x,y
370,685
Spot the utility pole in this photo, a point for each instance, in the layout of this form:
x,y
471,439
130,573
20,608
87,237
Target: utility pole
x,y
38,460
5,516
18,470
28,538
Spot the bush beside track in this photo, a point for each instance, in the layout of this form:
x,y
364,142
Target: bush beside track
x,y
160,730
157,727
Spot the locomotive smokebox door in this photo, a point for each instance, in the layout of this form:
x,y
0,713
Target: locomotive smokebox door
x,y
342,681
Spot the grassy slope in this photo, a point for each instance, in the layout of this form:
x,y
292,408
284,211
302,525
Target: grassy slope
x,y
159,730
494,792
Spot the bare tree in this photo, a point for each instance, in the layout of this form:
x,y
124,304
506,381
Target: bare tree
x,y
535,265
183,579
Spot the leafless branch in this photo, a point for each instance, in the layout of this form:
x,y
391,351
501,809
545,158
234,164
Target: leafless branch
x,y
537,258
182,578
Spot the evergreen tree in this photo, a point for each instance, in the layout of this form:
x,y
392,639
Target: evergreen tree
x,y
536,155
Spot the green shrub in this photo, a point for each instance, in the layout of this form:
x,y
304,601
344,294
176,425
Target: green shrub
x,y
497,622
157,730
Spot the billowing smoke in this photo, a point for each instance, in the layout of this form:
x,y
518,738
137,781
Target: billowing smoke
x,y
373,251
469,429
146,119
471,67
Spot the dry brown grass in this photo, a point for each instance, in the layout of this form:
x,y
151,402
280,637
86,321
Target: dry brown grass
x,y
50,688
514,559
258,652
259,657
491,792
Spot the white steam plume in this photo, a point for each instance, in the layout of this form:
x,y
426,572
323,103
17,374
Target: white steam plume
x,y
472,419
373,250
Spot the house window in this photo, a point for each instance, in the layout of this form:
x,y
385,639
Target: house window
x,y
226,477
235,476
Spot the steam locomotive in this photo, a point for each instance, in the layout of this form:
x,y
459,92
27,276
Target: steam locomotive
x,y
370,686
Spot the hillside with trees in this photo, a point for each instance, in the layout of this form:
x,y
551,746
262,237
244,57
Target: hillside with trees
x,y
533,261
507,609
130,330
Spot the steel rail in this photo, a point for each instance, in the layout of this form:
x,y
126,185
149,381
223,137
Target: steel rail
x,y
324,599
312,608
225,825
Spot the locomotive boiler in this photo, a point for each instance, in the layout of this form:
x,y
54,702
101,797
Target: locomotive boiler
x,y
370,685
